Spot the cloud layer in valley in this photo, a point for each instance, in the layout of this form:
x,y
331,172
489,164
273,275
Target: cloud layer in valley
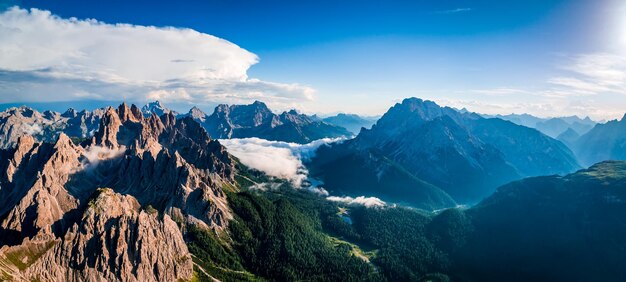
x,y
279,159
46,58
360,200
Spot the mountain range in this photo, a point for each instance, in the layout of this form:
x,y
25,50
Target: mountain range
x,y
463,154
547,228
604,142
235,121
351,122
257,120
70,210
146,194
46,126
552,127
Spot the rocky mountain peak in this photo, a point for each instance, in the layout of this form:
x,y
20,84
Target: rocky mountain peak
x,y
109,127
64,143
260,105
129,114
157,108
292,116
52,199
25,111
17,122
70,113
115,241
196,112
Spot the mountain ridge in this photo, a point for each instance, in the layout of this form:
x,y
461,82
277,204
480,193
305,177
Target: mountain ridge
x,y
52,193
441,144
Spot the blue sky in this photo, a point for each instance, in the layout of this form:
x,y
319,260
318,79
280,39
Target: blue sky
x,y
543,57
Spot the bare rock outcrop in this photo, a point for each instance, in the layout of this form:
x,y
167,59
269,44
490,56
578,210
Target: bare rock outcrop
x,y
114,241
45,201
53,228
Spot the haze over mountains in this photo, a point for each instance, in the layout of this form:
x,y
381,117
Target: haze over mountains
x,y
552,127
93,196
351,122
418,142
257,120
604,142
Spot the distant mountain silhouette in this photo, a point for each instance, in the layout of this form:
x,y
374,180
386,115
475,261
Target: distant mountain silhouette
x,y
552,127
257,120
604,142
351,122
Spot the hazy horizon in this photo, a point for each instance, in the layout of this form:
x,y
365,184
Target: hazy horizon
x,y
182,108
491,58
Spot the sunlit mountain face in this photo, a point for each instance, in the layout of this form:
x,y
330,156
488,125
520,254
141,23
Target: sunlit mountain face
x,y
320,141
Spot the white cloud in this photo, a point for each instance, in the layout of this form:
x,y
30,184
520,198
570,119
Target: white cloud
x,y
47,58
591,85
500,91
360,200
592,74
31,129
554,105
454,11
276,158
93,155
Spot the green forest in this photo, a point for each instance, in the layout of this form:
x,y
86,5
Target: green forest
x,y
287,234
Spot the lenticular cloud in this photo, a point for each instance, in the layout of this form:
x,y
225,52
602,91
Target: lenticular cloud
x,y
47,58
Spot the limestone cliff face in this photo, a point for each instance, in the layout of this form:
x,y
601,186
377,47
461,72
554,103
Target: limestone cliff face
x,y
114,241
47,199
34,187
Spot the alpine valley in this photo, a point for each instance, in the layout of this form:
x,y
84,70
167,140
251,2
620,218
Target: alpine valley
x,y
423,193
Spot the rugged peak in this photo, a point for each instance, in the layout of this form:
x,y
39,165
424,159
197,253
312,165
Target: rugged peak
x,y
112,223
292,116
259,104
129,114
415,104
107,202
195,112
156,103
155,107
169,120
136,112
623,118
221,108
109,127
23,146
63,142
26,111
412,100
70,113
412,112
258,107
